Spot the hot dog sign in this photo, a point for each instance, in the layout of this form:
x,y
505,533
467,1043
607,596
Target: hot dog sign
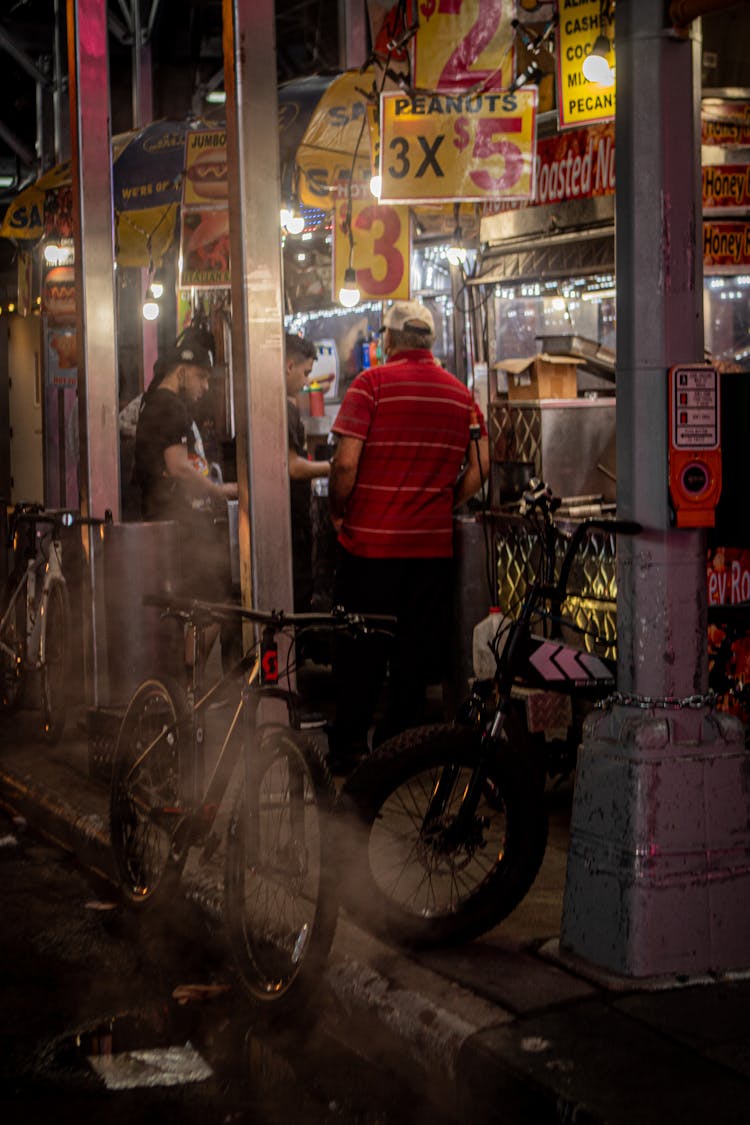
x,y
206,170
204,235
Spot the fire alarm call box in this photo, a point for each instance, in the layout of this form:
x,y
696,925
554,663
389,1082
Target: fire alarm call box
x,y
694,444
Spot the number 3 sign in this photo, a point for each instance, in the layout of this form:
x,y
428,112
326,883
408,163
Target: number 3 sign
x,y
380,257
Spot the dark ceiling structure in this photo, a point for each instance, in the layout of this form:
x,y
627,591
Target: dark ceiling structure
x,y
185,41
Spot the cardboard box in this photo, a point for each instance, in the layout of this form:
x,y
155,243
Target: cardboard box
x,y
541,376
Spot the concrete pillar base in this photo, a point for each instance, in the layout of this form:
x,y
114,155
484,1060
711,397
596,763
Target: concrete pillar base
x,y
658,876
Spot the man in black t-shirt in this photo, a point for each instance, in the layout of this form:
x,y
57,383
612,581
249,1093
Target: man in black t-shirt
x,y
170,464
172,472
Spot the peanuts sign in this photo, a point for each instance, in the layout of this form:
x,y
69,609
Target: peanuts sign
x,y
438,147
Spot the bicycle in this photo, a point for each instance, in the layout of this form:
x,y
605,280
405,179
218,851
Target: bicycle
x,y
35,623
280,880
445,826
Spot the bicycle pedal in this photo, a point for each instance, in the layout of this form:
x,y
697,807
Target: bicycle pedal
x,y
209,848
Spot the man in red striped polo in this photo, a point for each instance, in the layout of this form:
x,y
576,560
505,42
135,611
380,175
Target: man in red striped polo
x,y
412,446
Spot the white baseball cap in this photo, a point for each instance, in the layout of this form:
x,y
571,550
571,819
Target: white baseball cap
x,y
409,315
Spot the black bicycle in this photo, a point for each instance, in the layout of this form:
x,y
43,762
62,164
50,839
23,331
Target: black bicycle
x,y
280,883
446,825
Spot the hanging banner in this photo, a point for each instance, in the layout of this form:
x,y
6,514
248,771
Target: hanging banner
x,y
441,147
204,248
206,169
727,245
580,102
204,226
725,123
381,248
336,145
462,44
726,185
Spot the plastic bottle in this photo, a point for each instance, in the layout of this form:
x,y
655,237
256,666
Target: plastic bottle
x,y
317,403
373,351
364,352
484,633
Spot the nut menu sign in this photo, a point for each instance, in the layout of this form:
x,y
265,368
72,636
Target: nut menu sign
x,y
436,147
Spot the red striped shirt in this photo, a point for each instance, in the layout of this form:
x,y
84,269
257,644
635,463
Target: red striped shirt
x,y
413,417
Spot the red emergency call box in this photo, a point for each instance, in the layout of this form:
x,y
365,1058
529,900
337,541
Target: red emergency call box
x,y
694,444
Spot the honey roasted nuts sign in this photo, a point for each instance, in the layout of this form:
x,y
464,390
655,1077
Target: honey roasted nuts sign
x,y
438,147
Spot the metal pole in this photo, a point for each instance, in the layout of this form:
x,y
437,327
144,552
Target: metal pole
x,y
352,33
99,460
257,318
659,793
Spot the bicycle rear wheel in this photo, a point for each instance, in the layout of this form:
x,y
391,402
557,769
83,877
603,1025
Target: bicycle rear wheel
x,y
146,795
54,663
418,869
281,899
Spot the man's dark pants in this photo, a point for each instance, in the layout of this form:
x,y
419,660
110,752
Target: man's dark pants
x,y
418,593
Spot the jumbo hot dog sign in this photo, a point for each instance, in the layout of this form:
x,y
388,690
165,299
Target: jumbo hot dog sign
x,y
206,169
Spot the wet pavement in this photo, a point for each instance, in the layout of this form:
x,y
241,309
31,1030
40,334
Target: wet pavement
x,y
102,1020
504,1028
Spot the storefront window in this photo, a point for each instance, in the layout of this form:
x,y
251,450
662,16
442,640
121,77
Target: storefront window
x,y
726,314
555,316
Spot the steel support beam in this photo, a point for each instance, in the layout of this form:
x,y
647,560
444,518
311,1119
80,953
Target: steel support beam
x,y
352,33
658,872
257,317
99,448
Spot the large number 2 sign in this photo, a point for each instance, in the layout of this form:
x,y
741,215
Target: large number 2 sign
x,y
463,42
380,256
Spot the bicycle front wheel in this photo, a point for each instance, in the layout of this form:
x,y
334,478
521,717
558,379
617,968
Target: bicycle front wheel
x,y
421,868
54,663
146,795
13,682
281,899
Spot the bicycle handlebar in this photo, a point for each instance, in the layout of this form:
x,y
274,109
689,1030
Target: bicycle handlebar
x,y
62,517
192,610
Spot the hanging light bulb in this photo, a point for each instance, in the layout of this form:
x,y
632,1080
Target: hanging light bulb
x,y
596,66
156,289
376,186
349,292
150,310
292,224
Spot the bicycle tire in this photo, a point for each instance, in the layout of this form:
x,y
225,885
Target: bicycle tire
x,y
13,682
421,888
54,663
147,791
281,895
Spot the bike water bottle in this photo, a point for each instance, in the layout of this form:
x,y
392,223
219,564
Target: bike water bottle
x,y
481,653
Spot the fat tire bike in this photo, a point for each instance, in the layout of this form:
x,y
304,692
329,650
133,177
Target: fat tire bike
x,y
444,827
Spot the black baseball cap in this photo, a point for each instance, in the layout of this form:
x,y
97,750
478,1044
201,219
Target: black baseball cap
x,y
195,346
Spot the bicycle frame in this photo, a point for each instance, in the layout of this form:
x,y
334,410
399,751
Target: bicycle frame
x,y
33,652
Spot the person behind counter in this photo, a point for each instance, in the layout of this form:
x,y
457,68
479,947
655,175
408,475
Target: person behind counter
x,y
405,459
299,356
172,472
